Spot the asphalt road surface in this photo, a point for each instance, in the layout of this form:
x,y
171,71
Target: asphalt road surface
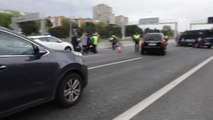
x,y
118,82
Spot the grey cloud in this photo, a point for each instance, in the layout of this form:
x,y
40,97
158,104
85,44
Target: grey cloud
x,y
134,9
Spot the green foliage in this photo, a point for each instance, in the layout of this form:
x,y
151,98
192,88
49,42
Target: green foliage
x,y
167,31
29,28
5,19
105,30
48,23
132,29
59,32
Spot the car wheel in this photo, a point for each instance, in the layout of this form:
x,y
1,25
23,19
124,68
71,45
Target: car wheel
x,y
163,52
70,90
209,46
68,49
197,45
142,52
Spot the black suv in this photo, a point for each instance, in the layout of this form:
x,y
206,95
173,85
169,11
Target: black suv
x,y
153,42
196,38
31,74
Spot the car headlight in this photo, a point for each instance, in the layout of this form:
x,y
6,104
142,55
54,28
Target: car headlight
x,y
77,53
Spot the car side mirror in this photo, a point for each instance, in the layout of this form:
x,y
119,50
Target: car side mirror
x,y
39,51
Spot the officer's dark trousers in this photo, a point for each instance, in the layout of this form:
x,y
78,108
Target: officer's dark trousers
x,y
94,49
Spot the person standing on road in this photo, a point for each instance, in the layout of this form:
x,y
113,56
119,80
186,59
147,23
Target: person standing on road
x,y
95,41
166,37
114,41
136,39
74,42
84,42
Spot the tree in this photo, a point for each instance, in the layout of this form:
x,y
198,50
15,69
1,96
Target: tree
x,y
132,29
59,32
5,19
29,28
48,23
168,31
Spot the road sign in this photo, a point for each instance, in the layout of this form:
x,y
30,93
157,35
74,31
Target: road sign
x,y
27,17
146,21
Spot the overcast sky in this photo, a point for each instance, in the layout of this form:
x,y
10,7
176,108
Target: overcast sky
x,y
134,9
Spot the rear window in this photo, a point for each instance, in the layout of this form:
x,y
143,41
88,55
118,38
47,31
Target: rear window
x,y
153,37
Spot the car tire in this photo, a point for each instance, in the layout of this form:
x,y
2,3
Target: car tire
x,y
209,47
142,52
163,53
68,49
197,45
70,90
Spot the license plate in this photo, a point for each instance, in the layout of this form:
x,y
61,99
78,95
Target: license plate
x,y
152,44
190,40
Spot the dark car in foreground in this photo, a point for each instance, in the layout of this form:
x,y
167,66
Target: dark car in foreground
x,y
153,42
31,74
196,38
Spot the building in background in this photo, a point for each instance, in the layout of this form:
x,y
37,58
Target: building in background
x,y
11,12
56,21
103,13
81,21
121,20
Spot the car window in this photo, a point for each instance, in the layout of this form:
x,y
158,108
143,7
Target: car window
x,y
153,37
209,33
51,39
44,39
13,45
193,34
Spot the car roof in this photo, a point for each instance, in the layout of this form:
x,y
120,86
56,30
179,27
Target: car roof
x,y
154,34
40,36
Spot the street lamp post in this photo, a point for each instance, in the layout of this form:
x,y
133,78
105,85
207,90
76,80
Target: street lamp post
x,y
70,31
123,28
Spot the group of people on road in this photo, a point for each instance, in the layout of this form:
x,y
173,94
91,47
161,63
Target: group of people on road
x,y
89,43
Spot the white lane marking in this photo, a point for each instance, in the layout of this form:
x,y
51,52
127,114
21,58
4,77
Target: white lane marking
x,y
119,62
127,115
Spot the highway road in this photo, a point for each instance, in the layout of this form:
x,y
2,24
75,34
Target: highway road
x,y
138,87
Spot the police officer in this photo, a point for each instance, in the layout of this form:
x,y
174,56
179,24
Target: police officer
x,y
166,38
114,41
136,39
95,41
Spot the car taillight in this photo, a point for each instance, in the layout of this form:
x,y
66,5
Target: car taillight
x,y
142,42
162,42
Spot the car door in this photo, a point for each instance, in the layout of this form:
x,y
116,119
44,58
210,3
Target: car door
x,y
24,78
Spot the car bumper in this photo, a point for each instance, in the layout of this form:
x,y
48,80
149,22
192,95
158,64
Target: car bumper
x,y
186,43
153,48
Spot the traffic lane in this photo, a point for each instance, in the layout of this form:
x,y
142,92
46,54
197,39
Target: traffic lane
x,y
190,100
109,56
114,89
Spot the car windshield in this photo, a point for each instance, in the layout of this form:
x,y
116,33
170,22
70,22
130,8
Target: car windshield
x,y
153,37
